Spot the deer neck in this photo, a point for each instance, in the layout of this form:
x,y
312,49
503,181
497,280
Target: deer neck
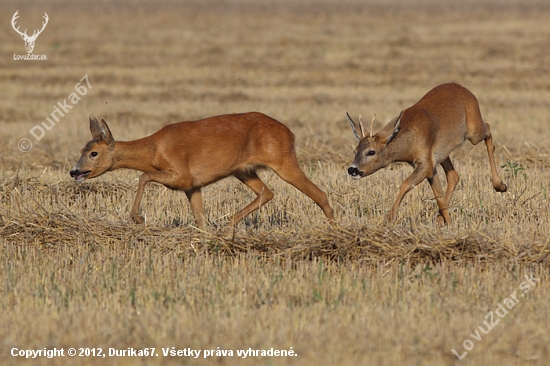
x,y
394,152
135,155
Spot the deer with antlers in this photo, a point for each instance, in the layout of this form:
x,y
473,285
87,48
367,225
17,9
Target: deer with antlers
x,y
424,136
190,155
29,40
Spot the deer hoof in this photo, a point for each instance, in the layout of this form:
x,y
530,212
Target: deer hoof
x,y
391,216
501,188
440,219
138,219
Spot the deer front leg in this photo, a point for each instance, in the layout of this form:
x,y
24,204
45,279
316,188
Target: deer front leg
x,y
166,178
421,172
134,211
195,200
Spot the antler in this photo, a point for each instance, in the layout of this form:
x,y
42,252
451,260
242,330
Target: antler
x,y
372,124
13,19
36,33
361,127
352,124
43,26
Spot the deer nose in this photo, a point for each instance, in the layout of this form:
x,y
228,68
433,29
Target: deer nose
x,y
353,171
74,172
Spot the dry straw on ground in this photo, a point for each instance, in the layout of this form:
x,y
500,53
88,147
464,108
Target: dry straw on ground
x,y
76,272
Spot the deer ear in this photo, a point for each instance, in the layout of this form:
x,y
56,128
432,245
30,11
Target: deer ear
x,y
106,134
395,128
95,128
353,128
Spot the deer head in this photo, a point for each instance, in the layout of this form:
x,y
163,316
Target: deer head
x,y
370,153
96,157
29,40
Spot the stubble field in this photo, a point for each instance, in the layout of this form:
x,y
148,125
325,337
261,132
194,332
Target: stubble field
x,y
76,272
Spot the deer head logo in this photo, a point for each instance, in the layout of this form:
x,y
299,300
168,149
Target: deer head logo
x,y
29,40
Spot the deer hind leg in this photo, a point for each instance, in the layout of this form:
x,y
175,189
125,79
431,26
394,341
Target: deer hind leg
x,y
263,193
498,185
194,196
478,130
293,174
421,172
452,180
443,214
162,177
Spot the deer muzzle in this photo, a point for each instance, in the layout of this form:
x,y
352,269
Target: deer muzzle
x,y
355,172
78,175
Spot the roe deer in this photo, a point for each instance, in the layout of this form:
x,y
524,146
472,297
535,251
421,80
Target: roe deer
x,y
424,135
189,155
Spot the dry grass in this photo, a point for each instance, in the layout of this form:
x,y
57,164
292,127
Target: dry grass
x,y
77,273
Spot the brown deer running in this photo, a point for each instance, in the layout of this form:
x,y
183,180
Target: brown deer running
x,y
424,135
189,155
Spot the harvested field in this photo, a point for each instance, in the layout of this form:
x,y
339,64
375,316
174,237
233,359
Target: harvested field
x,y
77,272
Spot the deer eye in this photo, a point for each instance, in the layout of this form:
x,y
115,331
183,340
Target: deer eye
x,y
93,154
371,153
